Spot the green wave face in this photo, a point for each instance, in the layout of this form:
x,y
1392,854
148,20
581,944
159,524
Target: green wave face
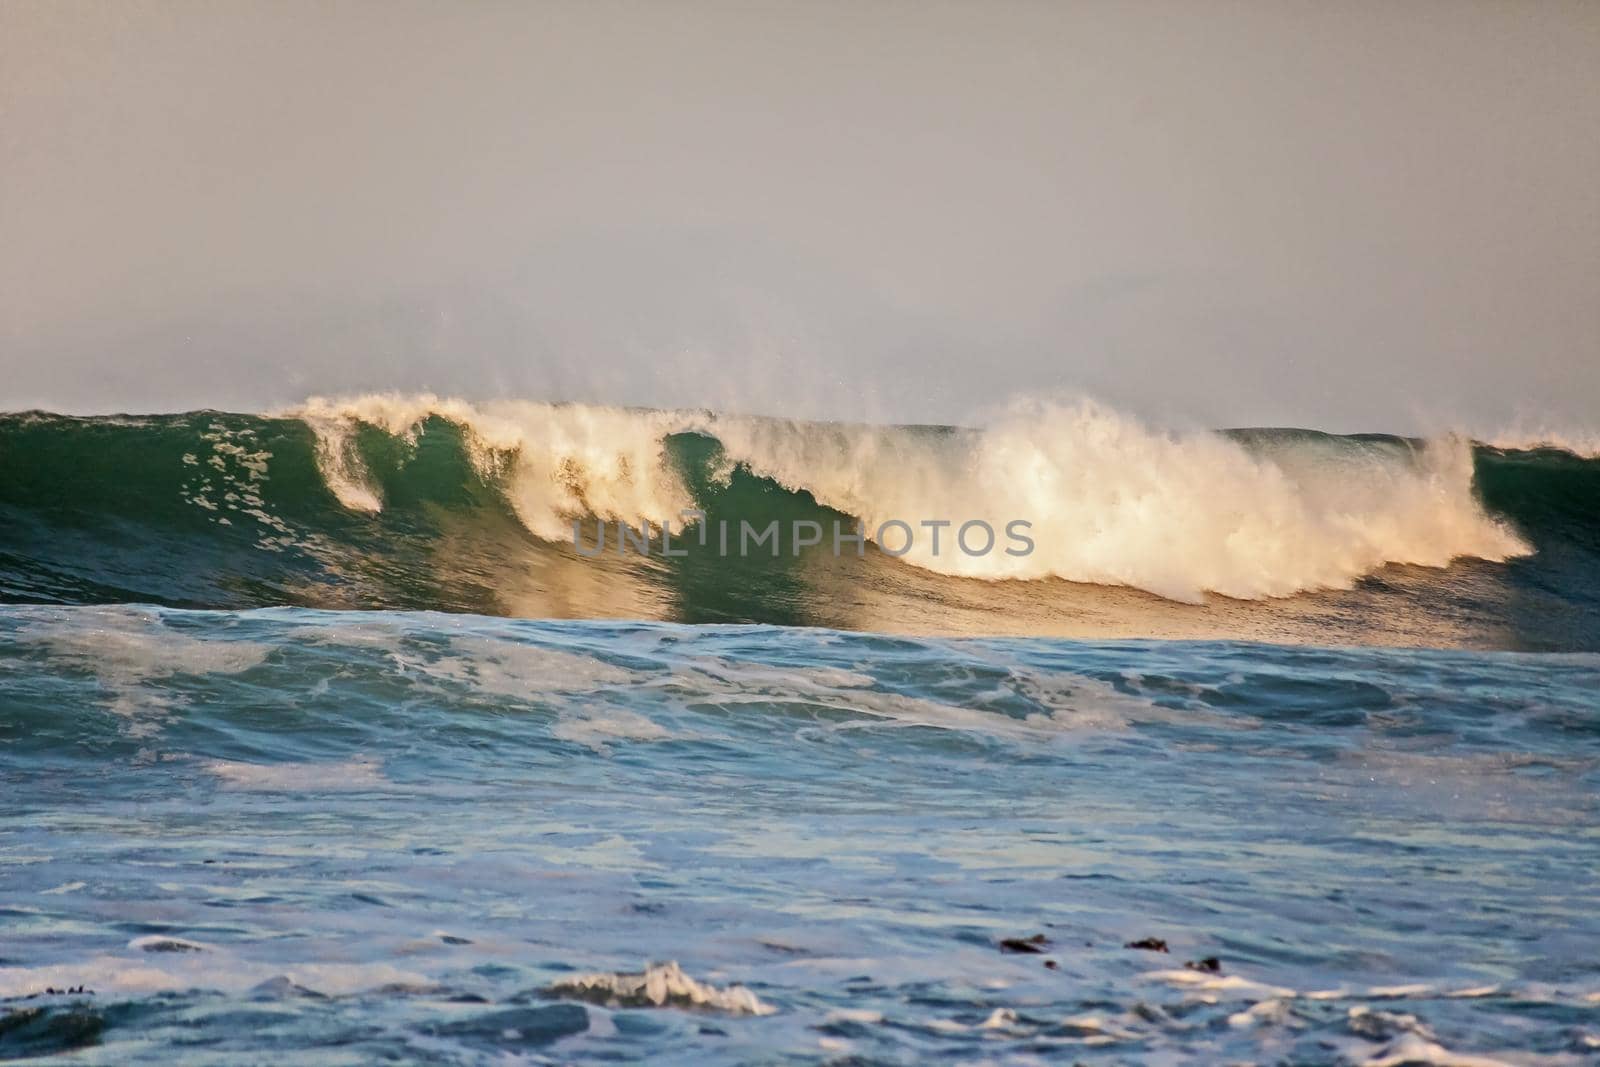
x,y
211,509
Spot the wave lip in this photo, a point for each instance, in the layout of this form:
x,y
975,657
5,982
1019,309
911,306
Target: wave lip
x,y
552,462
1526,437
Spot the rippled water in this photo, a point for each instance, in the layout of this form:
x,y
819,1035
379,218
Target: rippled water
x,y
342,838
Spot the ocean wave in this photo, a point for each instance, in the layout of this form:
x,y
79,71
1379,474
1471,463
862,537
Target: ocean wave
x,y
423,502
1113,501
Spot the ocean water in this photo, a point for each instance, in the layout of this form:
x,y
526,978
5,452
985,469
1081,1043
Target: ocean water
x,y
381,769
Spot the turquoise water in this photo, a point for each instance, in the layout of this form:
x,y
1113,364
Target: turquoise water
x,y
331,837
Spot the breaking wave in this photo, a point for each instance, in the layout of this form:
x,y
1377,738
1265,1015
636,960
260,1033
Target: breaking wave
x,y
1115,503
421,501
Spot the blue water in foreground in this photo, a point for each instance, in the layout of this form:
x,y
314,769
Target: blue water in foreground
x,y
317,837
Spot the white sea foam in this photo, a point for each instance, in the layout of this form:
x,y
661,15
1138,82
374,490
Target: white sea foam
x,y
596,728
1271,1012
660,985
126,649
356,775
1231,985
1068,704
126,646
1387,1038
517,669
1111,501
1413,1049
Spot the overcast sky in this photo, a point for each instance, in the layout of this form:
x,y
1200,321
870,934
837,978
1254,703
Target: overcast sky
x,y
1346,215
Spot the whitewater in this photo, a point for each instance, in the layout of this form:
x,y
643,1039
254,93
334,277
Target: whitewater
x,y
1177,515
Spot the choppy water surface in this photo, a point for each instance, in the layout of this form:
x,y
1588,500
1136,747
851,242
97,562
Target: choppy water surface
x,y
345,838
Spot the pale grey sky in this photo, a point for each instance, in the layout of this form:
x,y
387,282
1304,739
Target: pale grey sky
x,y
1348,215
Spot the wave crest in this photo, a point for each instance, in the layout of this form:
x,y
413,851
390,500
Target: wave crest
x,y
1111,500
553,462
